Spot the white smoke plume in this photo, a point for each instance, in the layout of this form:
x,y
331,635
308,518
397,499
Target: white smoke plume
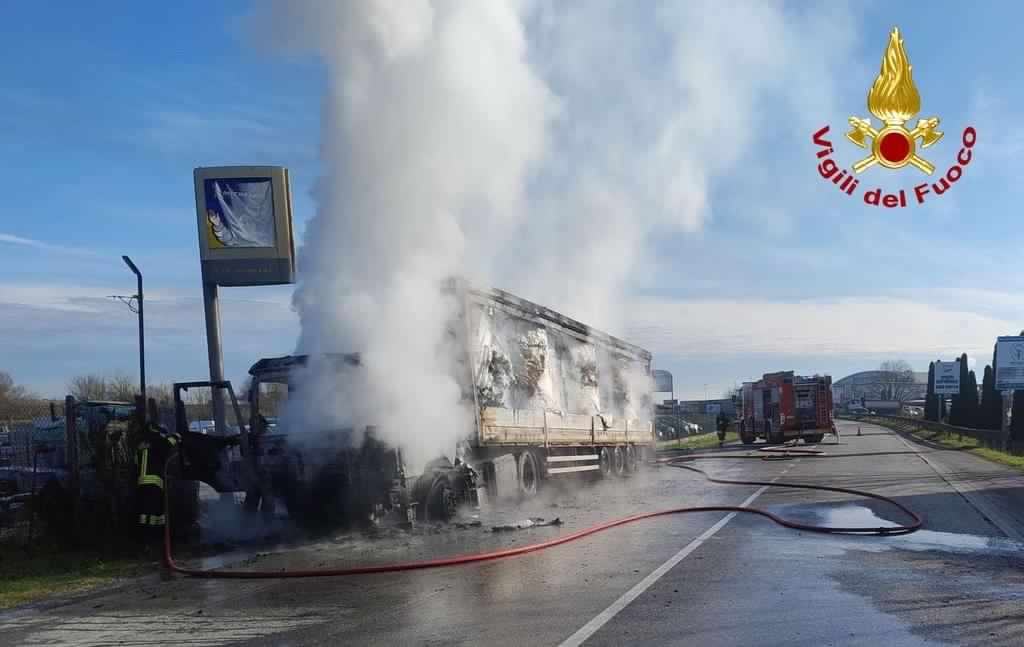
x,y
430,124
538,147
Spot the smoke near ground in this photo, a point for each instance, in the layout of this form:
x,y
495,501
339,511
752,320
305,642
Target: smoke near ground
x,y
537,147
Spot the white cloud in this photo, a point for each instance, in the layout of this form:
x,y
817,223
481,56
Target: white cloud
x,y
52,332
839,327
47,247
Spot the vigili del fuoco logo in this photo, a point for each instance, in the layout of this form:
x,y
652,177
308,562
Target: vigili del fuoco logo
x,y
893,100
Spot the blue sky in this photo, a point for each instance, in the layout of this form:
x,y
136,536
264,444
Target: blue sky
x,y
108,108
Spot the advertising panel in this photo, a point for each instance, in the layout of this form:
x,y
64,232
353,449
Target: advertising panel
x,y
245,225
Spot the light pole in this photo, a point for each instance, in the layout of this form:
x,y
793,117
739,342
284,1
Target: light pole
x,y
142,336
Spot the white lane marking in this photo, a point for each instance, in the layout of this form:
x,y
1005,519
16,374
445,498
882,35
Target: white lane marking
x,y
601,619
976,501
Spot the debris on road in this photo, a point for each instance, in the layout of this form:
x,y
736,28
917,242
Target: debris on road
x,y
532,522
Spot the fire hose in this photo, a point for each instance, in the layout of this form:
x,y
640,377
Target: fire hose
x,y
787,451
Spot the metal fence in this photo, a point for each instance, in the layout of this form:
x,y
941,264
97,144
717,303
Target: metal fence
x,y
998,440
67,468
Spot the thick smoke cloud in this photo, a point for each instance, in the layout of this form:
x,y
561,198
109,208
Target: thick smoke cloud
x,y
538,147
431,122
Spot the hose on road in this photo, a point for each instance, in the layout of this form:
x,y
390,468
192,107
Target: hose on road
x,y
915,524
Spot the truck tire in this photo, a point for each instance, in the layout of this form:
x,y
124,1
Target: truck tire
x,y
747,440
632,459
440,504
604,462
619,461
813,438
528,469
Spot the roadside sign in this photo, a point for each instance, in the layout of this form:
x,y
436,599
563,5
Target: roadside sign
x,y
947,378
1009,363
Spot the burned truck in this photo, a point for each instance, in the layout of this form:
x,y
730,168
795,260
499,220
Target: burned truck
x,y
548,396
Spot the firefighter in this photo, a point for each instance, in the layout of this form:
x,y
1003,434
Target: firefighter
x,y
723,425
155,448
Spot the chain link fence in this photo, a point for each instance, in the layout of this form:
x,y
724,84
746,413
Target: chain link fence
x,y
67,469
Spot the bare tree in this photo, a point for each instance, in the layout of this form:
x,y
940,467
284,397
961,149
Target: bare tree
x,y
120,388
88,387
896,378
9,390
162,393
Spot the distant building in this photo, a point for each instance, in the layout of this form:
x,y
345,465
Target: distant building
x,y
869,386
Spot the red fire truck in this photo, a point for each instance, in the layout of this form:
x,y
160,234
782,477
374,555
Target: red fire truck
x,y
782,406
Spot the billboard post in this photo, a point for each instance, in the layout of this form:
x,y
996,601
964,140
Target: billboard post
x,y
244,218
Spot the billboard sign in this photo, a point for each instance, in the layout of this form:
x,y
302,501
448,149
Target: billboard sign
x,y
245,225
1009,363
662,381
947,378
713,408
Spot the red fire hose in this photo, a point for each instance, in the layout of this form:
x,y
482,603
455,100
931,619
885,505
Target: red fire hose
x,y
550,543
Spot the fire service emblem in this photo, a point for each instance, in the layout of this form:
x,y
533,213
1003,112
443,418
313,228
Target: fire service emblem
x,y
894,101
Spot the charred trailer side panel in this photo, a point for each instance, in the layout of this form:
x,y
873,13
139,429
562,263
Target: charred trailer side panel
x,y
552,394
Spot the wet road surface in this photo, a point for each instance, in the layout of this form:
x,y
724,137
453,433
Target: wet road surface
x,y
702,579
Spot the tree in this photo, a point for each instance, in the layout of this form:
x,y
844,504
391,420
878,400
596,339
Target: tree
x,y
996,404
969,401
88,387
1016,413
9,390
990,411
162,393
931,401
1017,417
897,380
959,410
120,388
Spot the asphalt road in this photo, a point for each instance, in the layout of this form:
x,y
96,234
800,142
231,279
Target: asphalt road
x,y
697,579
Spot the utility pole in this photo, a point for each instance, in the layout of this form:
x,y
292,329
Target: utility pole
x,y
137,308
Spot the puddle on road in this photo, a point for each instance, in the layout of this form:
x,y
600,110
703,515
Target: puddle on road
x,y
922,540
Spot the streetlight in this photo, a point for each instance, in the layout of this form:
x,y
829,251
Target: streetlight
x,y
142,339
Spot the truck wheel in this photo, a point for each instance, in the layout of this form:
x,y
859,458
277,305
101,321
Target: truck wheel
x,y
813,438
604,462
619,461
529,474
441,504
632,461
747,440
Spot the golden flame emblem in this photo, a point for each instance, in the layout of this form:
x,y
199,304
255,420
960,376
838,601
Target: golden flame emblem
x,y
894,100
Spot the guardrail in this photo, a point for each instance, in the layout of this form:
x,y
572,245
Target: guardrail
x,y
996,439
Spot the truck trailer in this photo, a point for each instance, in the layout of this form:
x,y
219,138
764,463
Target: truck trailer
x,y
548,396
783,406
